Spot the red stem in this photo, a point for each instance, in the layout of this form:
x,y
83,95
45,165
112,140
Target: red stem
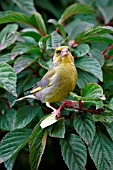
x,y
107,49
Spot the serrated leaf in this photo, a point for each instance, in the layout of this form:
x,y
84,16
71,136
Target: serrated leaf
x,y
13,142
85,127
45,64
25,6
103,117
82,50
84,78
37,145
90,65
58,130
110,105
107,12
23,62
22,48
74,152
4,58
97,55
8,78
35,20
109,127
7,121
94,33
25,115
75,9
54,41
92,90
10,162
100,151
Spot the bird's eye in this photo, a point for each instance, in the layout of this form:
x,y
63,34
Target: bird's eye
x,y
58,51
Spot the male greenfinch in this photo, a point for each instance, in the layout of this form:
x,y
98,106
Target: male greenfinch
x,y
58,82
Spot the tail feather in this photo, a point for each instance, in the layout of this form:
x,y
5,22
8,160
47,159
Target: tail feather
x,y
26,97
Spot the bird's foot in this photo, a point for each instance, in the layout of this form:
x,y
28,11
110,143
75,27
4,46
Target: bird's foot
x,y
56,113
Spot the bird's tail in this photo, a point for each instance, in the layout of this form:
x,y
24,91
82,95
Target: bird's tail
x,y
26,97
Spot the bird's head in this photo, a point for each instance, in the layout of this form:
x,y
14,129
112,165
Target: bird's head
x,y
62,55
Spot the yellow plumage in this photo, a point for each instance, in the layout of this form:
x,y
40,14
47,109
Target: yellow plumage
x,y
59,81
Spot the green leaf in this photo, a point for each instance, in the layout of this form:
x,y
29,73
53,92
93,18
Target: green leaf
x,y
4,58
13,142
74,152
106,12
54,41
82,50
35,20
58,130
22,48
10,162
103,117
25,115
7,121
45,64
8,78
90,65
25,6
100,151
23,62
110,105
94,33
75,9
97,55
109,128
85,127
84,78
37,145
92,90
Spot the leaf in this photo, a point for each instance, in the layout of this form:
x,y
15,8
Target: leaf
x,y
110,105
23,62
58,130
54,41
8,78
109,128
90,65
103,117
85,127
7,121
82,50
25,6
92,93
4,58
13,142
35,20
97,55
37,145
75,9
107,12
92,90
73,152
45,64
25,115
75,28
100,151
10,162
84,78
94,33
10,28
22,48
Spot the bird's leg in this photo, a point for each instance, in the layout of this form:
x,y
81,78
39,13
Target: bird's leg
x,y
55,111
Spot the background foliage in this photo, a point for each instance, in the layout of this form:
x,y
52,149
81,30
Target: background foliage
x,y
83,137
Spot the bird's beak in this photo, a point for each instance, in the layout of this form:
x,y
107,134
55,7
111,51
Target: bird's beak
x,y
64,52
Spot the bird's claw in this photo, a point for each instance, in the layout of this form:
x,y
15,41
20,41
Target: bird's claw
x,y
56,113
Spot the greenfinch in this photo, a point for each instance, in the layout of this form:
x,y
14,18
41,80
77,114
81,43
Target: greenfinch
x,y
58,82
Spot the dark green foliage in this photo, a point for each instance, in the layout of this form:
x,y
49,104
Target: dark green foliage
x,y
27,42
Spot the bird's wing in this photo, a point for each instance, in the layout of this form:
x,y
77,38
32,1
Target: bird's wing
x,y
44,82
